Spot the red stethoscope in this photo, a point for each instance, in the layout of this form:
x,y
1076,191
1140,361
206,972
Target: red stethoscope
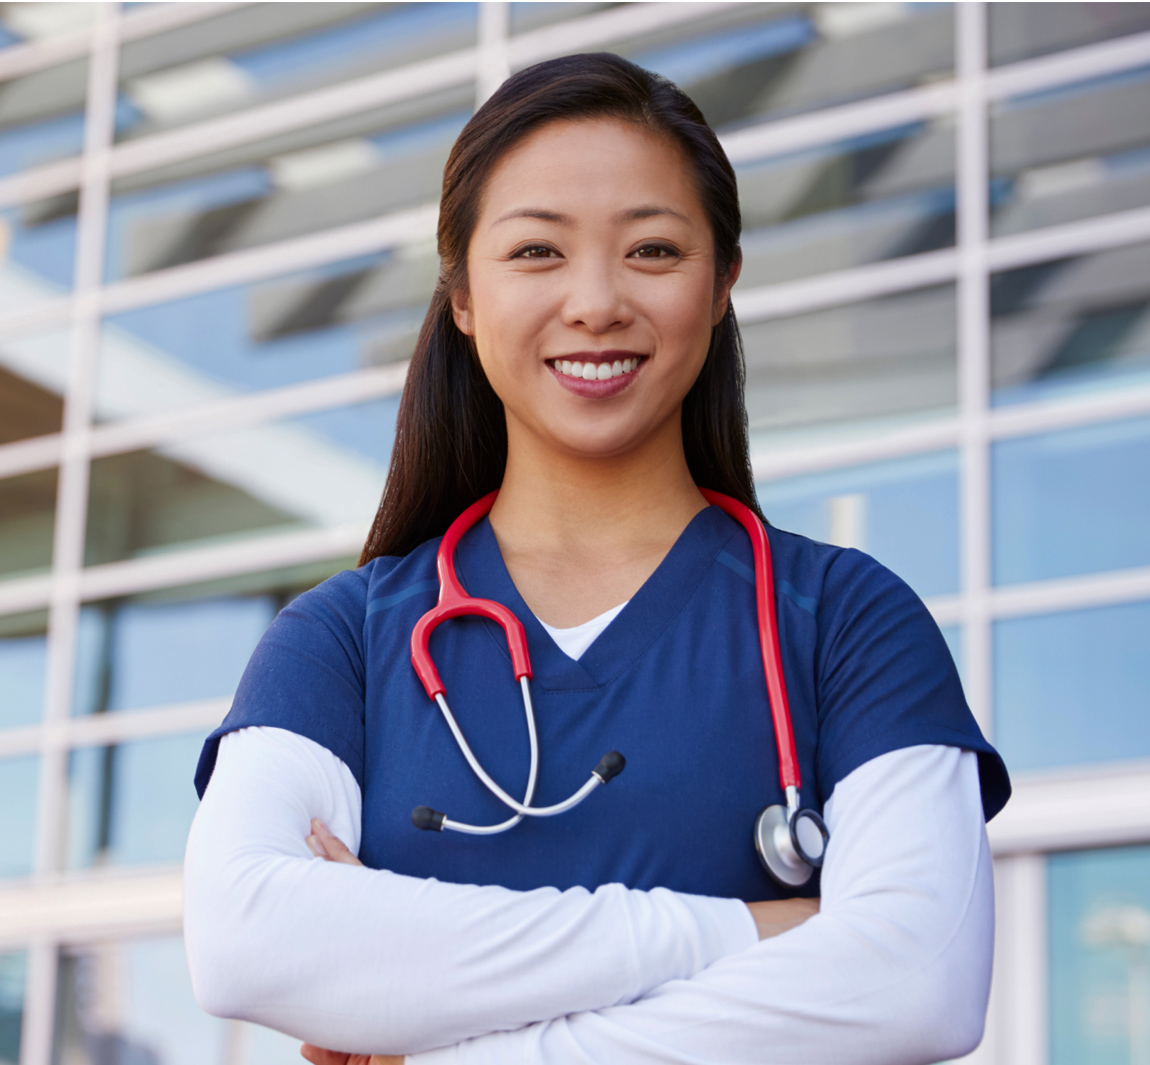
x,y
791,840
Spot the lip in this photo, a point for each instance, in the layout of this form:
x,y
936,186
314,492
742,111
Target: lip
x,y
597,389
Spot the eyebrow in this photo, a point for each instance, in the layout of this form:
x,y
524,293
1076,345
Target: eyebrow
x,y
633,214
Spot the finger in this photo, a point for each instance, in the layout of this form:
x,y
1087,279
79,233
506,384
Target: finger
x,y
334,848
315,845
319,1056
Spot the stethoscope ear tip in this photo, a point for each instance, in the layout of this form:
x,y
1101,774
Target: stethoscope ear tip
x,y
428,819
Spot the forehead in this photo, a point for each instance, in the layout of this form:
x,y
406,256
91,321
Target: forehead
x,y
593,164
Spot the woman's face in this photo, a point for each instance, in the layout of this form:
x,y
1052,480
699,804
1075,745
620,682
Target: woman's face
x,y
592,286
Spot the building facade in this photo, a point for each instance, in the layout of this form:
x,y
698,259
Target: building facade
x,y
216,247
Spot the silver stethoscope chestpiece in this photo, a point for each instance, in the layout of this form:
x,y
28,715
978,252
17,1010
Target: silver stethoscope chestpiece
x,y
790,844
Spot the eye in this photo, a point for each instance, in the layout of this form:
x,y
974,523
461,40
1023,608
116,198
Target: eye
x,y
535,251
655,251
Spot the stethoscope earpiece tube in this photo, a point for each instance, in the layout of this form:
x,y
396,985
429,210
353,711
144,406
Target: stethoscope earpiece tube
x,y
610,766
428,819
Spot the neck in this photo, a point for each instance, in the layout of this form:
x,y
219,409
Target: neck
x,y
581,535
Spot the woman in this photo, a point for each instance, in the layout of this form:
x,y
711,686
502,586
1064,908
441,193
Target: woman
x,y
581,355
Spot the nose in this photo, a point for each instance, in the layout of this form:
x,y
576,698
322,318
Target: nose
x,y
596,300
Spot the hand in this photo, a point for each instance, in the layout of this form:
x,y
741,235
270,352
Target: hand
x,y
318,1056
777,916
332,849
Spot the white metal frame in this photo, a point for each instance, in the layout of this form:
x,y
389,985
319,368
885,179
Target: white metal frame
x,y
1049,810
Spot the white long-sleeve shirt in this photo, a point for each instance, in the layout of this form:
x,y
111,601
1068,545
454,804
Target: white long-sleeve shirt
x,y
894,969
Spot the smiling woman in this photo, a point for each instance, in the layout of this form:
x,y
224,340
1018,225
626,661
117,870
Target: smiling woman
x,y
580,375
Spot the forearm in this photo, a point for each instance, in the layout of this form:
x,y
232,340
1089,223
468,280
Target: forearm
x,y
894,971
368,960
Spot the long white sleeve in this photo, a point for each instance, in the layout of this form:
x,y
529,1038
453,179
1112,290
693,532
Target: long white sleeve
x,y
894,970
370,961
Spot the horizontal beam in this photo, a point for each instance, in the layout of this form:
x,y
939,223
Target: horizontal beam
x,y
1096,806
120,726
82,907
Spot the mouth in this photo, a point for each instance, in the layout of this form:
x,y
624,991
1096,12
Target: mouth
x,y
597,366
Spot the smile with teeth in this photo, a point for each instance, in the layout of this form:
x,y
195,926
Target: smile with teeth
x,y
595,371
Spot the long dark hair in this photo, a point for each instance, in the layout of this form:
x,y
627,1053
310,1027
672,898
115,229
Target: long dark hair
x,y
451,434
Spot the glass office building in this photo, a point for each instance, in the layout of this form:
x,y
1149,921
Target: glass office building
x,y
216,246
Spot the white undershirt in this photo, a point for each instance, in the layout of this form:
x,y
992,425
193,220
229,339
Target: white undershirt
x,y
576,639
894,970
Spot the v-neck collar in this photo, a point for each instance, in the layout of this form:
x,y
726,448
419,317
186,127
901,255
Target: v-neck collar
x,y
650,610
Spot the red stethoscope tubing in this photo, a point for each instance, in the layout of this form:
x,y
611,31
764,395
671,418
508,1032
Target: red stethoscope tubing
x,y
454,602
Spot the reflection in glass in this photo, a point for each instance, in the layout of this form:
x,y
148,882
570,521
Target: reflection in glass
x,y
887,358
1099,926
33,377
180,644
18,778
13,974
42,113
23,661
758,60
860,201
131,1003
27,519
131,804
1070,153
320,470
904,513
344,171
1019,31
37,252
1071,688
266,52
313,324
1072,502
1070,324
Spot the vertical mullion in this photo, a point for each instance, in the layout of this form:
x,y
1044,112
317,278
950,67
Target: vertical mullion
x,y
71,508
492,62
1021,969
974,354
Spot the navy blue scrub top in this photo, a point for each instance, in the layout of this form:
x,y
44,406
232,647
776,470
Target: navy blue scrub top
x,y
675,682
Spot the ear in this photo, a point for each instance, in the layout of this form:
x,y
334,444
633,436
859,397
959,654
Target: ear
x,y
723,290
461,312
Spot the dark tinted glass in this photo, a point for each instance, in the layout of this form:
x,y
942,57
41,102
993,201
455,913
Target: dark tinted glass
x,y
1071,325
884,359
1019,31
860,201
1071,152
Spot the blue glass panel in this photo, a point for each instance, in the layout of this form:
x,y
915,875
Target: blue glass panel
x,y
267,190
23,665
1099,966
145,1012
883,361
1071,325
30,144
873,197
181,644
40,254
243,59
320,470
318,323
904,513
18,777
1071,502
13,974
758,60
1073,687
1071,152
132,804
